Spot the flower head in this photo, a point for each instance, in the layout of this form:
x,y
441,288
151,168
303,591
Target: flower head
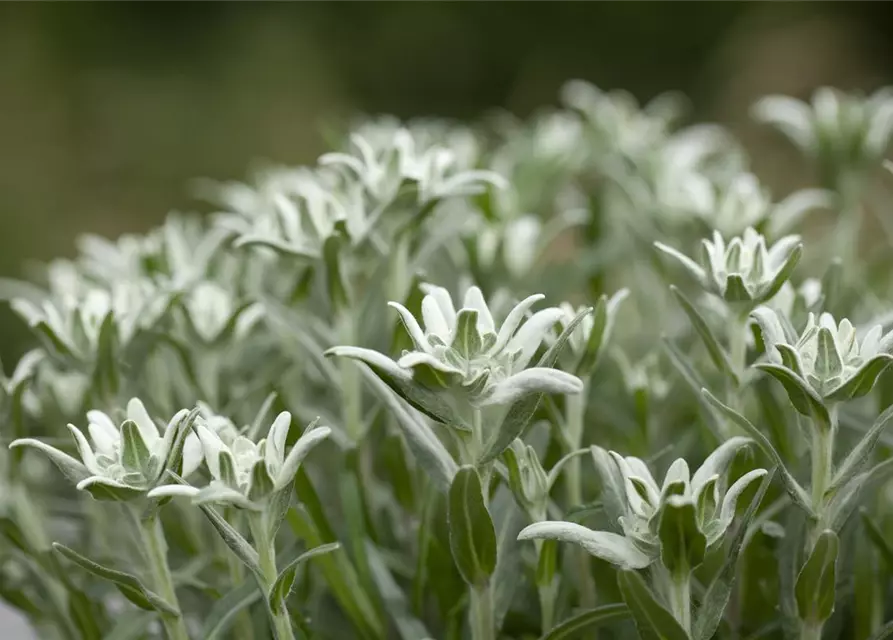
x,y
464,348
743,272
245,473
677,521
828,362
125,461
842,133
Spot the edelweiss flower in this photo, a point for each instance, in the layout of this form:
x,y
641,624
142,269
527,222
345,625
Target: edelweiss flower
x,y
436,170
827,362
245,473
126,461
212,312
464,348
73,326
842,133
745,272
581,341
649,514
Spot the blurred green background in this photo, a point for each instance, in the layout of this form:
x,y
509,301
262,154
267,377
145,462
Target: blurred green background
x,y
108,111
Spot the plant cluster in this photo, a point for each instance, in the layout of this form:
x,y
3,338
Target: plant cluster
x,y
340,407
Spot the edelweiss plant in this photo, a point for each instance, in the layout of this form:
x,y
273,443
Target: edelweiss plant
x,y
677,522
468,430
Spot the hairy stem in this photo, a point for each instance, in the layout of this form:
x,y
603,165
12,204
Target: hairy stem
x,y
266,551
680,598
243,627
155,549
351,389
483,625
575,408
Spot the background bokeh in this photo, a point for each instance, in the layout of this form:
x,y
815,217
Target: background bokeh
x,y
108,111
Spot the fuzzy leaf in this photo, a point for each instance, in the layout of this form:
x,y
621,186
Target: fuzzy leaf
x,y
614,548
802,395
129,585
427,448
582,625
221,616
862,381
715,600
856,459
472,535
281,589
653,621
783,274
815,588
797,493
717,353
521,412
72,469
682,545
419,397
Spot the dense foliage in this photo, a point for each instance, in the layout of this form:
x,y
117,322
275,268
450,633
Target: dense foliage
x,y
340,407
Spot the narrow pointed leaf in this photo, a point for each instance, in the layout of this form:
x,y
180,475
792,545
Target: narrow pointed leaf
x,y
653,620
129,585
861,453
419,397
717,353
221,616
584,624
797,493
281,589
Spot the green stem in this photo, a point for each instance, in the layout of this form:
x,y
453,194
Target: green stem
x,y
575,408
680,598
267,558
811,631
243,627
351,390
155,548
547,585
822,459
483,625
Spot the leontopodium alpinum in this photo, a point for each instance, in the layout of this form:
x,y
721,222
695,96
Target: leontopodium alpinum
x,y
647,512
244,473
744,272
464,352
843,134
123,462
827,363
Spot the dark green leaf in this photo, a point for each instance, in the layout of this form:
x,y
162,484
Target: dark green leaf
x,y
682,545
